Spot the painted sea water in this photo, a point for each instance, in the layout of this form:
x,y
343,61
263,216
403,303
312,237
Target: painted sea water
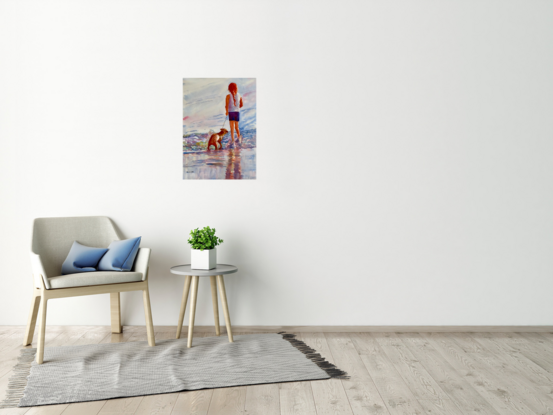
x,y
209,112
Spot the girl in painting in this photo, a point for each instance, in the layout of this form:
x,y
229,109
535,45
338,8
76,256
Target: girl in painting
x,y
232,106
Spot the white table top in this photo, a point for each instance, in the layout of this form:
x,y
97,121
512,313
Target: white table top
x,y
221,269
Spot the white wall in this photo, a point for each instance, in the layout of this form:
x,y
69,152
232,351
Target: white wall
x,y
405,157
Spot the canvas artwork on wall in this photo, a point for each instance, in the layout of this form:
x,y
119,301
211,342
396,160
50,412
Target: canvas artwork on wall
x,y
219,128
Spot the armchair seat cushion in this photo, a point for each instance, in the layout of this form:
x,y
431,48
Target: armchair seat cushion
x,y
93,278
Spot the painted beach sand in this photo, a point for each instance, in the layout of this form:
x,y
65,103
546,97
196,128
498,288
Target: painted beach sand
x,y
230,164
214,148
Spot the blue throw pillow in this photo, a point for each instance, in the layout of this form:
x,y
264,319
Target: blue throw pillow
x,y
82,258
120,255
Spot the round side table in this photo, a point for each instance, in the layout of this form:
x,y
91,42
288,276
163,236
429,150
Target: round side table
x,y
193,277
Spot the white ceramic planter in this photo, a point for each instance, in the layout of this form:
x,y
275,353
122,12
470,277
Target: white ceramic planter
x,y
206,259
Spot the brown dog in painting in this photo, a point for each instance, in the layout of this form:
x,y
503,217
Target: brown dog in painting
x,y
215,140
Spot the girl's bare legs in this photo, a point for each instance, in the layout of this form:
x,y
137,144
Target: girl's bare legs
x,y
238,136
232,131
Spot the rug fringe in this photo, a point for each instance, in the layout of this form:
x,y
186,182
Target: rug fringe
x,y
18,381
315,357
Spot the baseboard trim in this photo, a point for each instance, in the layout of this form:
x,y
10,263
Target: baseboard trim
x,y
368,329
323,329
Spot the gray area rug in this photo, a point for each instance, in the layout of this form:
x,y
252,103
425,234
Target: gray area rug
x,y
106,371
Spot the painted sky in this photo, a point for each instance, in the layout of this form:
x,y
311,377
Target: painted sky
x,y
204,103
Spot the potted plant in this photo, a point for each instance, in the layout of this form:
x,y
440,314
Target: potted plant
x,y
203,243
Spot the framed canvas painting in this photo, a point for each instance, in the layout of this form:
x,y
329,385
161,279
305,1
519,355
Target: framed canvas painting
x,y
219,129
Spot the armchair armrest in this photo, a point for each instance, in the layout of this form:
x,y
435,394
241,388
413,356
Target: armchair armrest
x,y
141,263
39,274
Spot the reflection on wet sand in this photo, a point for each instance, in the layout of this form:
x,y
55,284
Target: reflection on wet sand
x,y
233,164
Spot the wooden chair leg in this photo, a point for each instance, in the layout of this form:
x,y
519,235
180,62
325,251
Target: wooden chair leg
x,y
183,304
215,304
149,321
193,298
42,330
31,324
223,293
115,306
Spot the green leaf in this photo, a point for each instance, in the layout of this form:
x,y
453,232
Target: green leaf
x,y
204,238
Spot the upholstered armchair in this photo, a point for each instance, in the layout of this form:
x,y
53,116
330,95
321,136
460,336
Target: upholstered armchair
x,y
51,241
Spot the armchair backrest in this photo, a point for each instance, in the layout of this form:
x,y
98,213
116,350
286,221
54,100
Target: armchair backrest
x,y
53,237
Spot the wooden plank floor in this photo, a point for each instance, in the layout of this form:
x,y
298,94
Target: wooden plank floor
x,y
391,373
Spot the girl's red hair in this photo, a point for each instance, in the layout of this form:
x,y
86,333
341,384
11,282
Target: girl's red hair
x,y
233,89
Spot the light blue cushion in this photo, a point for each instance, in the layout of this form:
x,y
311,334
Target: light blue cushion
x,y
120,255
82,258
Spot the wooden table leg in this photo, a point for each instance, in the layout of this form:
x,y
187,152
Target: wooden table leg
x,y
193,299
183,304
221,282
215,304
